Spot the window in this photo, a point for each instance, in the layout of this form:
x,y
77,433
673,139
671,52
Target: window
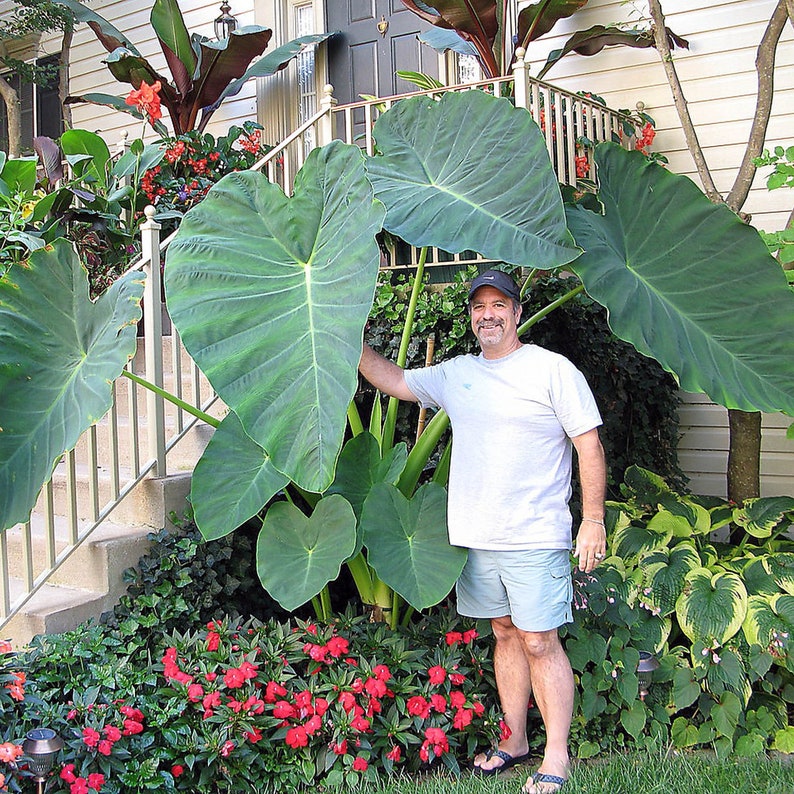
x,y
307,88
41,108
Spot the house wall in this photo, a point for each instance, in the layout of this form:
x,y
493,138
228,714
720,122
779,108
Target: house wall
x,y
720,82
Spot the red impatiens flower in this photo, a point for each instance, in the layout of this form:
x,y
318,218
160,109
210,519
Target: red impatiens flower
x,y
96,780
177,770
90,737
132,727
67,773
105,747
381,672
347,700
359,724
375,687
147,98
226,749
195,692
457,679
80,786
457,699
337,646
418,707
283,710
297,737
395,754
234,678
112,733
439,703
360,764
9,752
470,636
274,691
462,718
213,640
254,735
437,674
454,637
340,748
504,731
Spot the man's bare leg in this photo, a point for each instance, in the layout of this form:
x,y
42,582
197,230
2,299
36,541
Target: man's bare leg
x,y
553,689
514,685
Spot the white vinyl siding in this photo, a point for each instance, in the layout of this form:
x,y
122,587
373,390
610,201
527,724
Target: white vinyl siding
x,y
719,81
703,449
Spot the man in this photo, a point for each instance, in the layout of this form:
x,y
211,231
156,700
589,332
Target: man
x,y
516,410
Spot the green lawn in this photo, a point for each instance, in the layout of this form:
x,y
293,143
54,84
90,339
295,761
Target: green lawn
x,y
651,773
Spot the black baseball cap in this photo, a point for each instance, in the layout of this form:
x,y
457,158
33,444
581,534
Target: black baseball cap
x,y
497,279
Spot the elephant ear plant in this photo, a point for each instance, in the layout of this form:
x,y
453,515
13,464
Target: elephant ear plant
x,y
271,294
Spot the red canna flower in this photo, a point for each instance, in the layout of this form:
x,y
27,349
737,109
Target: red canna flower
x,y
147,98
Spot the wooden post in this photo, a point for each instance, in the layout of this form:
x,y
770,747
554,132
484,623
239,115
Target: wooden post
x,y
520,79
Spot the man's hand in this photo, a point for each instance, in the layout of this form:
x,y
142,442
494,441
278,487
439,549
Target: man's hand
x,y
591,544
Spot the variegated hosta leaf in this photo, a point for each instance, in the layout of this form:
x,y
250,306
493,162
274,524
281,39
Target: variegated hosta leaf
x,y
781,566
760,516
698,520
712,606
644,485
665,574
757,578
650,632
770,623
631,542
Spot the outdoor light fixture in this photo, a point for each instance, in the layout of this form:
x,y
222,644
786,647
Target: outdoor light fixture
x,y
41,745
226,23
645,667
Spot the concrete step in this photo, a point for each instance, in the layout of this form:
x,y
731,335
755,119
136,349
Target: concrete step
x,y
90,581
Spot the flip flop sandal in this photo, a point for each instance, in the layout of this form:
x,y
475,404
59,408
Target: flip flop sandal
x,y
509,760
552,780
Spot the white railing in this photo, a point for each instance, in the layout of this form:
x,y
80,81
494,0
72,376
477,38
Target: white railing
x,y
111,458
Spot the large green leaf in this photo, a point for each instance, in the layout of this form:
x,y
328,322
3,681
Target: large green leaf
x,y
781,566
296,555
19,174
232,481
360,466
470,171
83,142
270,295
59,354
712,606
686,282
665,573
407,542
759,517
633,541
770,623
537,19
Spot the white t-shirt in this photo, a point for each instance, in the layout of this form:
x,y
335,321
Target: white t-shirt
x,y
512,420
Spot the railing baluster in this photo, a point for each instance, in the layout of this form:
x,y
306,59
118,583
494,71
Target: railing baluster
x,y
113,440
5,581
93,472
71,495
27,554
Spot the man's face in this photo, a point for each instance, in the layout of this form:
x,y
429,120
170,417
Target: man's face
x,y
494,320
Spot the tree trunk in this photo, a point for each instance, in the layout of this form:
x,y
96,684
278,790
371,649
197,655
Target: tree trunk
x,y
744,460
63,76
14,114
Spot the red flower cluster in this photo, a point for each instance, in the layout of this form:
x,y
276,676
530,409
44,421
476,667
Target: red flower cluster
x,y
464,638
436,742
16,688
645,138
81,785
251,142
582,164
147,98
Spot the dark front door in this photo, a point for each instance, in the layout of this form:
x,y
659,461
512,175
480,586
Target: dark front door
x,y
364,58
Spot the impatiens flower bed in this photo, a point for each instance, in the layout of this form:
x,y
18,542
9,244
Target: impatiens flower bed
x,y
258,707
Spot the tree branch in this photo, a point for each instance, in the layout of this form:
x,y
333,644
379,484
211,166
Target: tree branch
x,y
63,75
690,135
765,66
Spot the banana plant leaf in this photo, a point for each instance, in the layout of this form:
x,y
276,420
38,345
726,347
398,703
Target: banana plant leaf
x,y
109,37
271,294
270,63
19,174
233,480
115,102
296,555
443,39
687,283
712,607
95,167
447,175
594,39
537,19
172,33
407,544
59,354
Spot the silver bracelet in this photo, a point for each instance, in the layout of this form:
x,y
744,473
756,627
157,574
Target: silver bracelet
x,y
594,521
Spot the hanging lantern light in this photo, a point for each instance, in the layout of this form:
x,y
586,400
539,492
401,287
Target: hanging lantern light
x,y
226,23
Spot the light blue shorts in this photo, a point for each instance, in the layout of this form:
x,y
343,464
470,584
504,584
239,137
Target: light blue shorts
x,y
532,586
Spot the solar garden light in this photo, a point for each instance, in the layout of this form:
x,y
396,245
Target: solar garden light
x,y
645,667
41,745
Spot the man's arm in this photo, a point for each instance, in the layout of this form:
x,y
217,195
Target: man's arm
x,y
591,538
384,375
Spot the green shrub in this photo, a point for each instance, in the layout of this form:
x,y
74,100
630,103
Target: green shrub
x,y
637,398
